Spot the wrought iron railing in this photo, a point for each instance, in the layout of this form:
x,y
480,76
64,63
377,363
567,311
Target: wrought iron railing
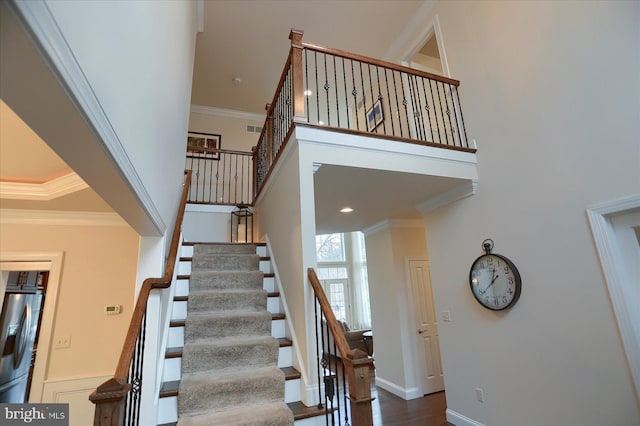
x,y
220,176
344,384
342,91
118,399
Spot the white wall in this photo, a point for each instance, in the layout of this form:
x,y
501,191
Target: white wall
x,y
388,248
554,103
232,126
138,57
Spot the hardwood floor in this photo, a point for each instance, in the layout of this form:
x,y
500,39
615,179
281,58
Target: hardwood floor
x,y
390,410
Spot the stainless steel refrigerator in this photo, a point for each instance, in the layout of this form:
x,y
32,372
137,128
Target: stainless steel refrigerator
x,y
18,328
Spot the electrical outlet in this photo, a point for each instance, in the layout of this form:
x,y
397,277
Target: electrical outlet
x,y
62,342
479,394
446,316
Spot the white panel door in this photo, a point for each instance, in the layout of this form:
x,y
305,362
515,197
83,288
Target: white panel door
x,y
426,327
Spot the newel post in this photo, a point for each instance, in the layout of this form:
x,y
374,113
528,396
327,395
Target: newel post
x,y
297,77
109,399
357,365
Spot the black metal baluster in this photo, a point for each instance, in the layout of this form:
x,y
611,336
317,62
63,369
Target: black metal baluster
x,y
466,141
413,109
364,103
384,119
306,86
420,114
448,113
224,178
373,99
217,178
346,102
315,63
335,85
210,176
427,109
344,395
318,354
389,111
199,178
395,89
455,115
435,112
442,113
354,92
336,378
405,102
326,88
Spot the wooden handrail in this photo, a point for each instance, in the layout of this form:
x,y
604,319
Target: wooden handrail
x,y
113,391
380,63
357,364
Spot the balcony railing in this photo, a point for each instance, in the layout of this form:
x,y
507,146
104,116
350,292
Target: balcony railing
x,y
342,91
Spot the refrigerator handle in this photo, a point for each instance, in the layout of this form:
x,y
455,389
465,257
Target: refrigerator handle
x,y
22,336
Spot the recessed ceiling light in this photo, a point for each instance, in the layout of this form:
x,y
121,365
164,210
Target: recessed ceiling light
x,y
346,210
308,92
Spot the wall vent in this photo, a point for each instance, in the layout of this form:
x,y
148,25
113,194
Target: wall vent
x,y
254,129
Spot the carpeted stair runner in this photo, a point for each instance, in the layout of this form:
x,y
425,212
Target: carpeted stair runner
x,y
230,373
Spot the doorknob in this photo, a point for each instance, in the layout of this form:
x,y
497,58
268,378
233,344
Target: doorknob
x,y
420,331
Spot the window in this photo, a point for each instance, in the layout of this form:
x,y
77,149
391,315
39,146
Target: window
x,y
342,270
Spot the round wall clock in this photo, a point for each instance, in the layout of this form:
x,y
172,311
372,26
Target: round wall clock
x,y
495,281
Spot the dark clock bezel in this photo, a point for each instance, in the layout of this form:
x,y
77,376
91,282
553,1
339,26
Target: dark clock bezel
x,y
516,275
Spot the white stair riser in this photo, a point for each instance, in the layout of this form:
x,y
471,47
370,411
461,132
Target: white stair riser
x,y
172,369
182,287
179,311
168,410
184,268
186,251
265,266
273,305
311,421
176,337
285,357
278,328
261,251
292,390
269,284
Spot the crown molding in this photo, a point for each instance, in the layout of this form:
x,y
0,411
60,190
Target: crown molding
x,y
456,193
223,112
59,217
393,223
46,191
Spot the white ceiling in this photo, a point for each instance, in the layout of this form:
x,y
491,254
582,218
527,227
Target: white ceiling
x,y
249,39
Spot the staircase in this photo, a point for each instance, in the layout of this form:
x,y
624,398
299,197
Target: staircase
x,y
228,360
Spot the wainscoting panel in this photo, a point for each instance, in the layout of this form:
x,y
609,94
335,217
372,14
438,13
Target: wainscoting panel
x,y
75,392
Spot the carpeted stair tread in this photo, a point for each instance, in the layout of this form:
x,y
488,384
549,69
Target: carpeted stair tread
x,y
225,262
207,355
224,249
227,300
229,388
273,414
231,323
237,280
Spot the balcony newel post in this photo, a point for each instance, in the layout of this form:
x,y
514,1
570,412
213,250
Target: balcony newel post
x,y
297,76
269,135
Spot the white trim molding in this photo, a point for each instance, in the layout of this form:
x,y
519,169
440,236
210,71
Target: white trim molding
x,y
393,223
460,420
618,284
456,193
46,191
404,393
223,112
59,217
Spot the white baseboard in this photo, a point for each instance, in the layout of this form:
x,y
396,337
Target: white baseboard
x,y
404,393
460,420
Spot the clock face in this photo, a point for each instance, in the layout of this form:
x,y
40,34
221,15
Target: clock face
x,y
495,281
